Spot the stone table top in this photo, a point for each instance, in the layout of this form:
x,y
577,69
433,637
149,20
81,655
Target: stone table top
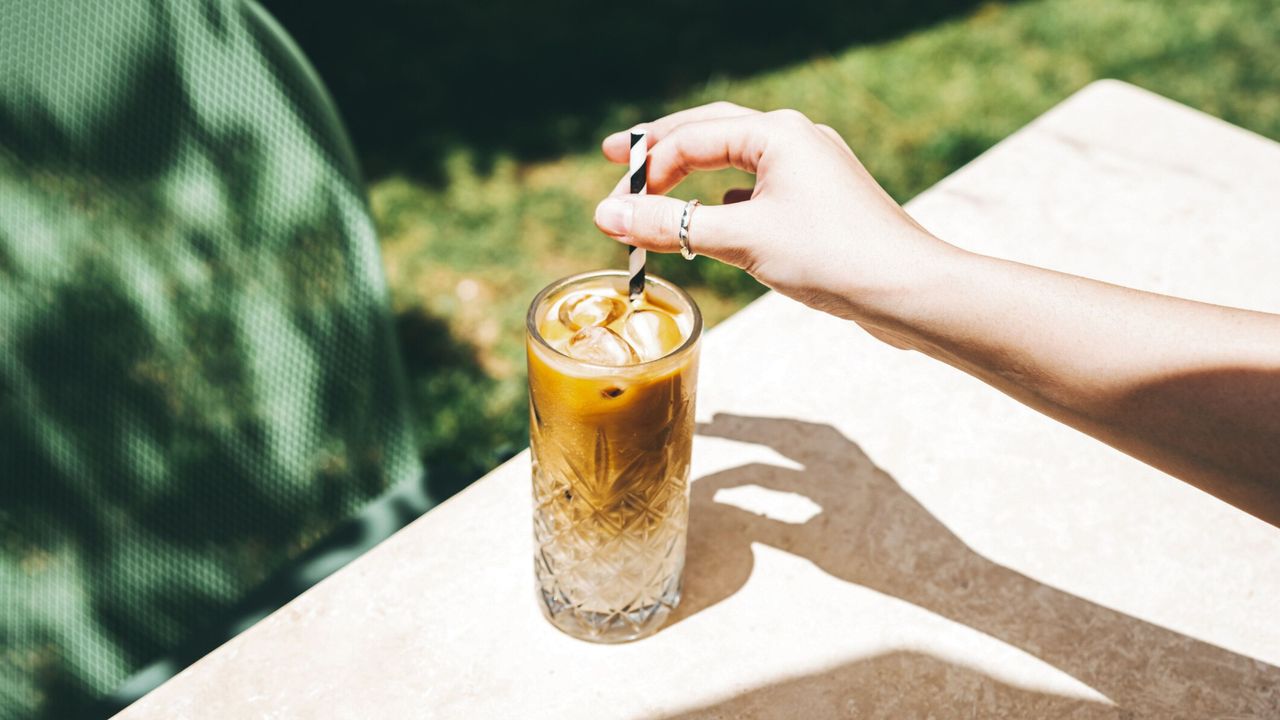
x,y
873,534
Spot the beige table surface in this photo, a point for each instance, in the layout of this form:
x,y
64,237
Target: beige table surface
x,y
873,534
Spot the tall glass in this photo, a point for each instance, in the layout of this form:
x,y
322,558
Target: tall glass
x,y
611,447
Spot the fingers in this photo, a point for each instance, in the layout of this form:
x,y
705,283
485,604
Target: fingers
x,y
652,222
705,145
617,147
736,142
713,137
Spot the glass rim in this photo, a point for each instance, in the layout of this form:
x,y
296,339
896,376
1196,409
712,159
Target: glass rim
x,y
531,325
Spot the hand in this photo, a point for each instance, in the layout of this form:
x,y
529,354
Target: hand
x,y
1132,369
816,227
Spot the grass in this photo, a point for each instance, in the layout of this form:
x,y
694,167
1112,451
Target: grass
x,y
467,244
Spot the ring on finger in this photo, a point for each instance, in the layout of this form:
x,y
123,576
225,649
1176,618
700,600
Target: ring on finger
x,y
685,218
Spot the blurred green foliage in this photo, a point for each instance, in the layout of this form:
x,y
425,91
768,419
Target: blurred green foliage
x,y
485,169
198,372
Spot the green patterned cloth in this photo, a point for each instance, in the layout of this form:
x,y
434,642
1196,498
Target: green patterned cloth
x,y
198,376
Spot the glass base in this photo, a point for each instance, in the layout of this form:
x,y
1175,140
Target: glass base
x,y
616,627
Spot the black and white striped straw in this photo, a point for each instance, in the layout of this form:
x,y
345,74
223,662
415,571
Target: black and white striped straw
x,y
638,174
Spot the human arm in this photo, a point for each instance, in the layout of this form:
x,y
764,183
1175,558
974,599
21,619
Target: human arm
x,y
1191,388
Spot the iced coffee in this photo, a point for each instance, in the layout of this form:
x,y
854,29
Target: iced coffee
x,y
611,395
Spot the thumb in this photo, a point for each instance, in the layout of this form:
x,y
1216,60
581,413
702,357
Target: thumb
x,y
652,222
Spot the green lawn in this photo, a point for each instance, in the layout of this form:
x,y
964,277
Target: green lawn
x,y
469,243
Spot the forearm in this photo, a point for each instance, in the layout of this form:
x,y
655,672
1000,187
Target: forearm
x,y
1191,388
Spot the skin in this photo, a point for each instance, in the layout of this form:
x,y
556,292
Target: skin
x,y
1190,388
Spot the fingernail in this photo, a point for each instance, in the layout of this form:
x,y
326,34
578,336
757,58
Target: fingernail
x,y
613,216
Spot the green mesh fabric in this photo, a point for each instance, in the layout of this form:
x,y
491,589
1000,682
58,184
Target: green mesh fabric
x,y
198,378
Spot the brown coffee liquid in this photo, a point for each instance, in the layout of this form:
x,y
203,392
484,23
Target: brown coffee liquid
x,y
609,435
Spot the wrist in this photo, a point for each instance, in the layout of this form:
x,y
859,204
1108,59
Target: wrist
x,y
912,296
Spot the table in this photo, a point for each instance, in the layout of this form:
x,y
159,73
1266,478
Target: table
x,y
873,534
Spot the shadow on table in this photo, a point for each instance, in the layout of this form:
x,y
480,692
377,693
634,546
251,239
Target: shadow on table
x,y
873,533
899,684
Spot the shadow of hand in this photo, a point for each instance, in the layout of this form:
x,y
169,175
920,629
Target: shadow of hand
x,y
870,531
873,533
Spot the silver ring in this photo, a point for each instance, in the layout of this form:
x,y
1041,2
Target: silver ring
x,y
685,218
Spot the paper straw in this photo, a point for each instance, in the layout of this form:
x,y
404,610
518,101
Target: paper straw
x,y
639,172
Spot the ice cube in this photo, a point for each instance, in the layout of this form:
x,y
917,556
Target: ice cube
x,y
651,333
600,346
554,331
590,310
